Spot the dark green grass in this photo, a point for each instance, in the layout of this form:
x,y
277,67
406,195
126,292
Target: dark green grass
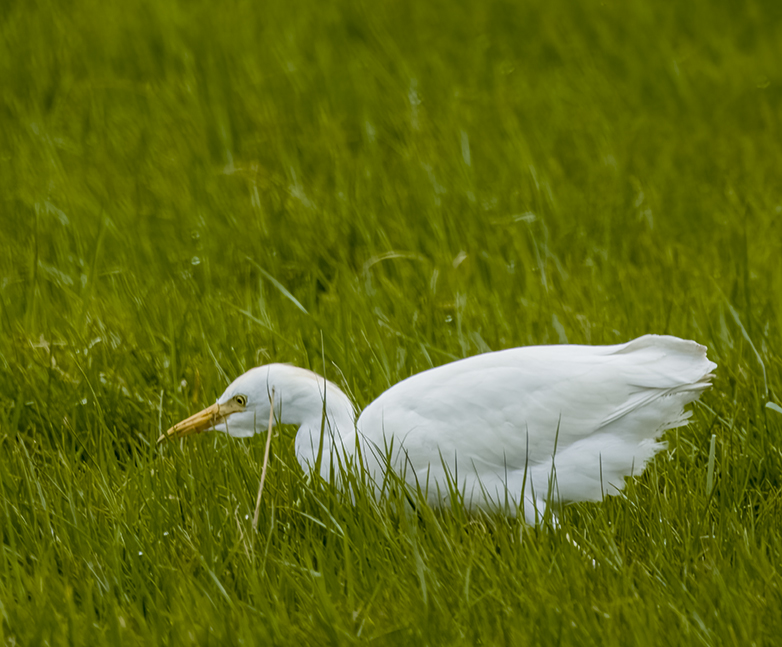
x,y
190,189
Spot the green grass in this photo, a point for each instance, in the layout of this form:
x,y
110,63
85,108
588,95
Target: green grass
x,y
189,189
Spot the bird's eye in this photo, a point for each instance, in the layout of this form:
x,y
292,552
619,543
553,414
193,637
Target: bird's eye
x,y
241,400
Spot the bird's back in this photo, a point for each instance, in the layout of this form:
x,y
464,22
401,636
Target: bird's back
x,y
492,421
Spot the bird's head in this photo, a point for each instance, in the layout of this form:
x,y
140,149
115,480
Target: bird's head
x,y
300,397
241,411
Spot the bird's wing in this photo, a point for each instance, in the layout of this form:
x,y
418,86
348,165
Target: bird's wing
x,y
507,409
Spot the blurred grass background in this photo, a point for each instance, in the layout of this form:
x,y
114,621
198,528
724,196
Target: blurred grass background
x,y
189,189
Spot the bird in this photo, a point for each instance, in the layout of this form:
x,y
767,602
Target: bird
x,y
510,430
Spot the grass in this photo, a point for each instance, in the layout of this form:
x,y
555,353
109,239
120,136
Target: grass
x,y
191,189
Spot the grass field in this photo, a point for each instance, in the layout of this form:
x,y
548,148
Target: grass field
x,y
189,189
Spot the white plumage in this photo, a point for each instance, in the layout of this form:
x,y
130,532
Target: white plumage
x,y
495,425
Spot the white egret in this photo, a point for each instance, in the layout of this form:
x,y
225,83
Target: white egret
x,y
568,422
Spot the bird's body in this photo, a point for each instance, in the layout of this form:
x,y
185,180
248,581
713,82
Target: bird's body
x,y
566,422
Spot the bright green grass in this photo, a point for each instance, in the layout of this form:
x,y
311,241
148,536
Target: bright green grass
x,y
188,189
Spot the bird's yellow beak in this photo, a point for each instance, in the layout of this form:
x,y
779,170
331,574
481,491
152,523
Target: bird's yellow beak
x,y
202,421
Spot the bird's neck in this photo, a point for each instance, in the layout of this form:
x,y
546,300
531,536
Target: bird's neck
x,y
325,417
